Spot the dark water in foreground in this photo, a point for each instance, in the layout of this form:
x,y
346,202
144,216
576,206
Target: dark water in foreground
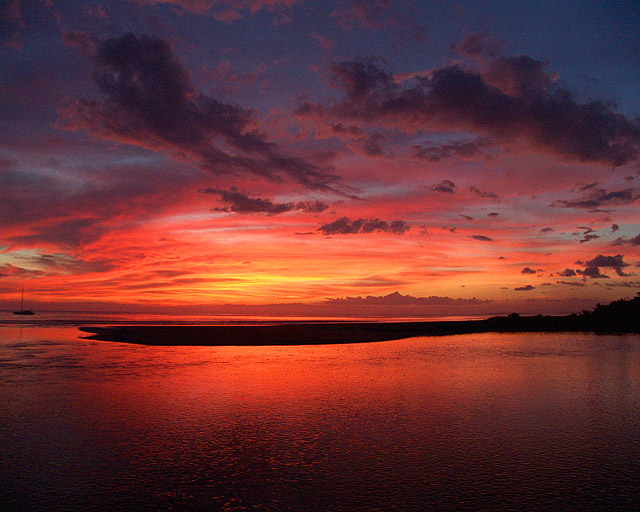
x,y
472,422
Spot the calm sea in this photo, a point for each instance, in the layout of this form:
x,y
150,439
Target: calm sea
x,y
470,422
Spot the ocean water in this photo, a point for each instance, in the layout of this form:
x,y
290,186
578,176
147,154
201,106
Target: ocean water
x,y
469,422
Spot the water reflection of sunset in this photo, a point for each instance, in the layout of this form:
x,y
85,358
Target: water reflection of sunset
x,y
402,424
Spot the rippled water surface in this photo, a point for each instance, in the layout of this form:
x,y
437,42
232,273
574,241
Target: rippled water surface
x,y
472,422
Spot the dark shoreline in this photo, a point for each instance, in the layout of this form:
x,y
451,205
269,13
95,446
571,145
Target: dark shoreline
x,y
339,332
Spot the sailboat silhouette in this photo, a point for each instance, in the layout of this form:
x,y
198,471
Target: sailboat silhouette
x,y
22,310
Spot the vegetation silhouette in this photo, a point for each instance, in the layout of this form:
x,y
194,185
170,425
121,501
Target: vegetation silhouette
x,y
621,315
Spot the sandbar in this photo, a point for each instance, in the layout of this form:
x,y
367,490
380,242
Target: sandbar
x,y
316,333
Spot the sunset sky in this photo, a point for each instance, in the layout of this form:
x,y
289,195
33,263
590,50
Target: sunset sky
x,y
337,157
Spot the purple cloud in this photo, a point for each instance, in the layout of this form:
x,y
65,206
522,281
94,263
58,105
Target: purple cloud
x,y
593,266
460,149
149,100
446,186
237,202
481,238
513,99
480,193
345,226
599,198
635,240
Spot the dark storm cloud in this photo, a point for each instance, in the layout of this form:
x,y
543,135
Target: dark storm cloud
x,y
237,202
635,240
446,186
345,226
598,198
513,99
525,288
482,238
460,149
592,267
151,101
527,270
486,195
567,272
397,299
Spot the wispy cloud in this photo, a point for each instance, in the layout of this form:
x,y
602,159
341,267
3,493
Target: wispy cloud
x,y
599,198
634,240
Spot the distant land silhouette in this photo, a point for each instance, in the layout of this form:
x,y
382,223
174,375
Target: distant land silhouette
x,y
620,316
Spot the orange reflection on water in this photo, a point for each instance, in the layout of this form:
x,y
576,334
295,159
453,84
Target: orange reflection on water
x,y
478,417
